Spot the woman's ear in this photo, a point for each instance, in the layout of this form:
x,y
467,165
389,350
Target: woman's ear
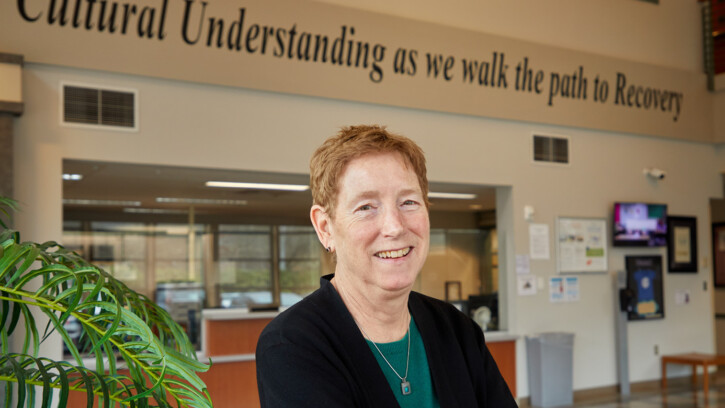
x,y
323,226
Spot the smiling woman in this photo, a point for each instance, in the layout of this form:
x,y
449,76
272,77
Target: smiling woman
x,y
364,338
380,229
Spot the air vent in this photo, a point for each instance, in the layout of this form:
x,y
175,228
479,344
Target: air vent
x,y
551,149
99,107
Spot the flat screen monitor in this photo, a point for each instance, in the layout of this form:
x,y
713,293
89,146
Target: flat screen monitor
x,y
640,224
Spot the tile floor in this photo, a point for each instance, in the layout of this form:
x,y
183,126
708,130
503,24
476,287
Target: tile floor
x,y
678,397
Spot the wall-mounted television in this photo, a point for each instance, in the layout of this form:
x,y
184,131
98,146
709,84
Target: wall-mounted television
x,y
640,224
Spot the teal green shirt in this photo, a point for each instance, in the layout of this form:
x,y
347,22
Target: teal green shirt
x,y
422,394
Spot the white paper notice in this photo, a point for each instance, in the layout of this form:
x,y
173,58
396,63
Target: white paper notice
x,y
539,241
526,285
564,289
572,288
557,292
522,265
682,297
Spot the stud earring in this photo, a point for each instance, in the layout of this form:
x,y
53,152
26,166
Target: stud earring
x,y
327,249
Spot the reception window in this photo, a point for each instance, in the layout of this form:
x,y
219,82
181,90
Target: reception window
x,y
244,271
300,263
140,255
165,234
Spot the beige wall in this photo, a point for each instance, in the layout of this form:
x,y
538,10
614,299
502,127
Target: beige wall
x,y
719,118
582,88
629,29
10,83
272,132
189,124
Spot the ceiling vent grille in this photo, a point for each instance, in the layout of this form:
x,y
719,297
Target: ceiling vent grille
x,y
99,107
551,149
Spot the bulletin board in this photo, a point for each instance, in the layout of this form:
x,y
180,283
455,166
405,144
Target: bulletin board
x,y
581,245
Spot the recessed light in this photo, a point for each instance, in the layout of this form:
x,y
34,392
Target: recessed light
x,y
73,201
72,177
153,211
207,201
258,186
454,196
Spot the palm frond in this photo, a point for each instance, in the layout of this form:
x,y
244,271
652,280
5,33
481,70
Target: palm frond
x,y
117,323
6,206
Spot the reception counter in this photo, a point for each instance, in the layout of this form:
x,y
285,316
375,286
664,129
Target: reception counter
x,y
502,346
229,338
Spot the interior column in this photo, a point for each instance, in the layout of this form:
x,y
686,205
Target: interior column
x,y
11,106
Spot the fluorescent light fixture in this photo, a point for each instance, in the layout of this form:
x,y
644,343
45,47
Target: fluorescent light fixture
x,y
454,196
153,211
204,201
72,201
72,177
132,228
258,186
157,229
175,230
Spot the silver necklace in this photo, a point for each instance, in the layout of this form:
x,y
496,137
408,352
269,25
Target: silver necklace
x,y
404,383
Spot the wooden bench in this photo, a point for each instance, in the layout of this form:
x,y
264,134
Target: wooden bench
x,y
694,360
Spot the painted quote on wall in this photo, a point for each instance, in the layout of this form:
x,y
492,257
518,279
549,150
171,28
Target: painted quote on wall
x,y
320,35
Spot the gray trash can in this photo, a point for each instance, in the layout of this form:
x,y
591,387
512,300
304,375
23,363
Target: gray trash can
x,y
551,362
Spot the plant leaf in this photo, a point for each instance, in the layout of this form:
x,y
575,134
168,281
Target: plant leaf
x,y
116,322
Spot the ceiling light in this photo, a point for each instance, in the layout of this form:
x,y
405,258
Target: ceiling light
x,y
153,211
258,186
72,201
207,201
72,177
454,196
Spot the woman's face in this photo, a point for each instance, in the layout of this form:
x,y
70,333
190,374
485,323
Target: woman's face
x,y
381,230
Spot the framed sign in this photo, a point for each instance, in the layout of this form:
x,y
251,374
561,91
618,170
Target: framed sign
x,y
581,244
718,253
682,244
644,279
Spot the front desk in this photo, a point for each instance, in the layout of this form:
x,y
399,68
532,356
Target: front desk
x,y
502,346
229,338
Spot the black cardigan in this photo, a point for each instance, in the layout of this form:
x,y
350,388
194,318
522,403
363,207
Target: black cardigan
x,y
313,355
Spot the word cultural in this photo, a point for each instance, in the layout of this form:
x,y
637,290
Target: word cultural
x,y
215,32
100,15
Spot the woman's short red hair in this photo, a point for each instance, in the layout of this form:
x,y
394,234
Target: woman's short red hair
x,y
330,159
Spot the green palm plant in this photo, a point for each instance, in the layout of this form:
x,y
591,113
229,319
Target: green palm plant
x,y
159,364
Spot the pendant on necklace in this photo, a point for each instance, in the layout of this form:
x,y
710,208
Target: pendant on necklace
x,y
405,388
